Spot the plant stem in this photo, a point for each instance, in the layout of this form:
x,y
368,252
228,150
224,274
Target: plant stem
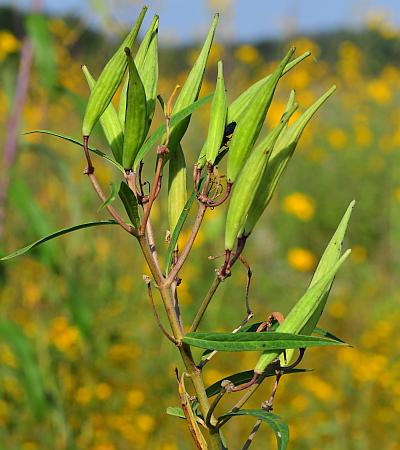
x,y
185,252
186,354
204,304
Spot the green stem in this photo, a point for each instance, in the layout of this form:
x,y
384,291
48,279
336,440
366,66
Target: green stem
x,y
204,304
184,349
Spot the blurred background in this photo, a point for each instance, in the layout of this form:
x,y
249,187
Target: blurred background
x,y
82,365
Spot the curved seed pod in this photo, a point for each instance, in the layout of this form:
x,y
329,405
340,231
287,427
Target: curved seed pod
x,y
330,257
109,80
302,311
191,88
176,186
247,183
280,157
249,124
109,122
136,115
239,105
216,128
146,61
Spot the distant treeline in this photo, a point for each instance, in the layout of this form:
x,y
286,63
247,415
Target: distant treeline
x,y
379,49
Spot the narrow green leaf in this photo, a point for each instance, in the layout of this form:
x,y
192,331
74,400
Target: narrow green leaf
x,y
130,203
239,105
321,332
178,229
175,119
23,250
268,342
75,141
176,411
111,196
279,427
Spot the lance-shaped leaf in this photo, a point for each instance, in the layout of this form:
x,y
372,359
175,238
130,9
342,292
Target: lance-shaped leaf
x,y
278,161
249,125
176,186
175,120
216,127
136,115
239,105
146,61
130,203
76,142
302,311
23,250
253,341
248,181
191,88
109,80
279,427
109,122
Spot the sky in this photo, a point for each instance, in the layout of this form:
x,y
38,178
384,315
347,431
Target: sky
x,y
241,20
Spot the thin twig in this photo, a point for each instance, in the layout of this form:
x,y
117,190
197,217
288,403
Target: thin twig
x,y
156,316
250,439
204,304
186,250
130,229
152,244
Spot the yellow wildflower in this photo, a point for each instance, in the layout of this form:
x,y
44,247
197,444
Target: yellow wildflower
x,y
337,138
299,205
301,259
146,423
103,391
8,44
247,54
358,254
136,398
379,91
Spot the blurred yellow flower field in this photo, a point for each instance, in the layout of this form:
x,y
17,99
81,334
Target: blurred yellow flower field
x,y
89,370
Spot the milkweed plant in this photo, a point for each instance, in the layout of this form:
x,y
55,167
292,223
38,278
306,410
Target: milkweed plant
x,y
245,183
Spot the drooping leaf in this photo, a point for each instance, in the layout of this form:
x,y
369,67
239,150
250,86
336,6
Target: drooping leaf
x,y
58,233
75,141
251,341
279,427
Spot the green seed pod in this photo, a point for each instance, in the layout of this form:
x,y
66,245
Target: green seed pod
x,y
109,122
191,88
280,157
302,311
176,186
249,124
247,183
146,61
330,257
240,104
136,115
109,80
217,123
